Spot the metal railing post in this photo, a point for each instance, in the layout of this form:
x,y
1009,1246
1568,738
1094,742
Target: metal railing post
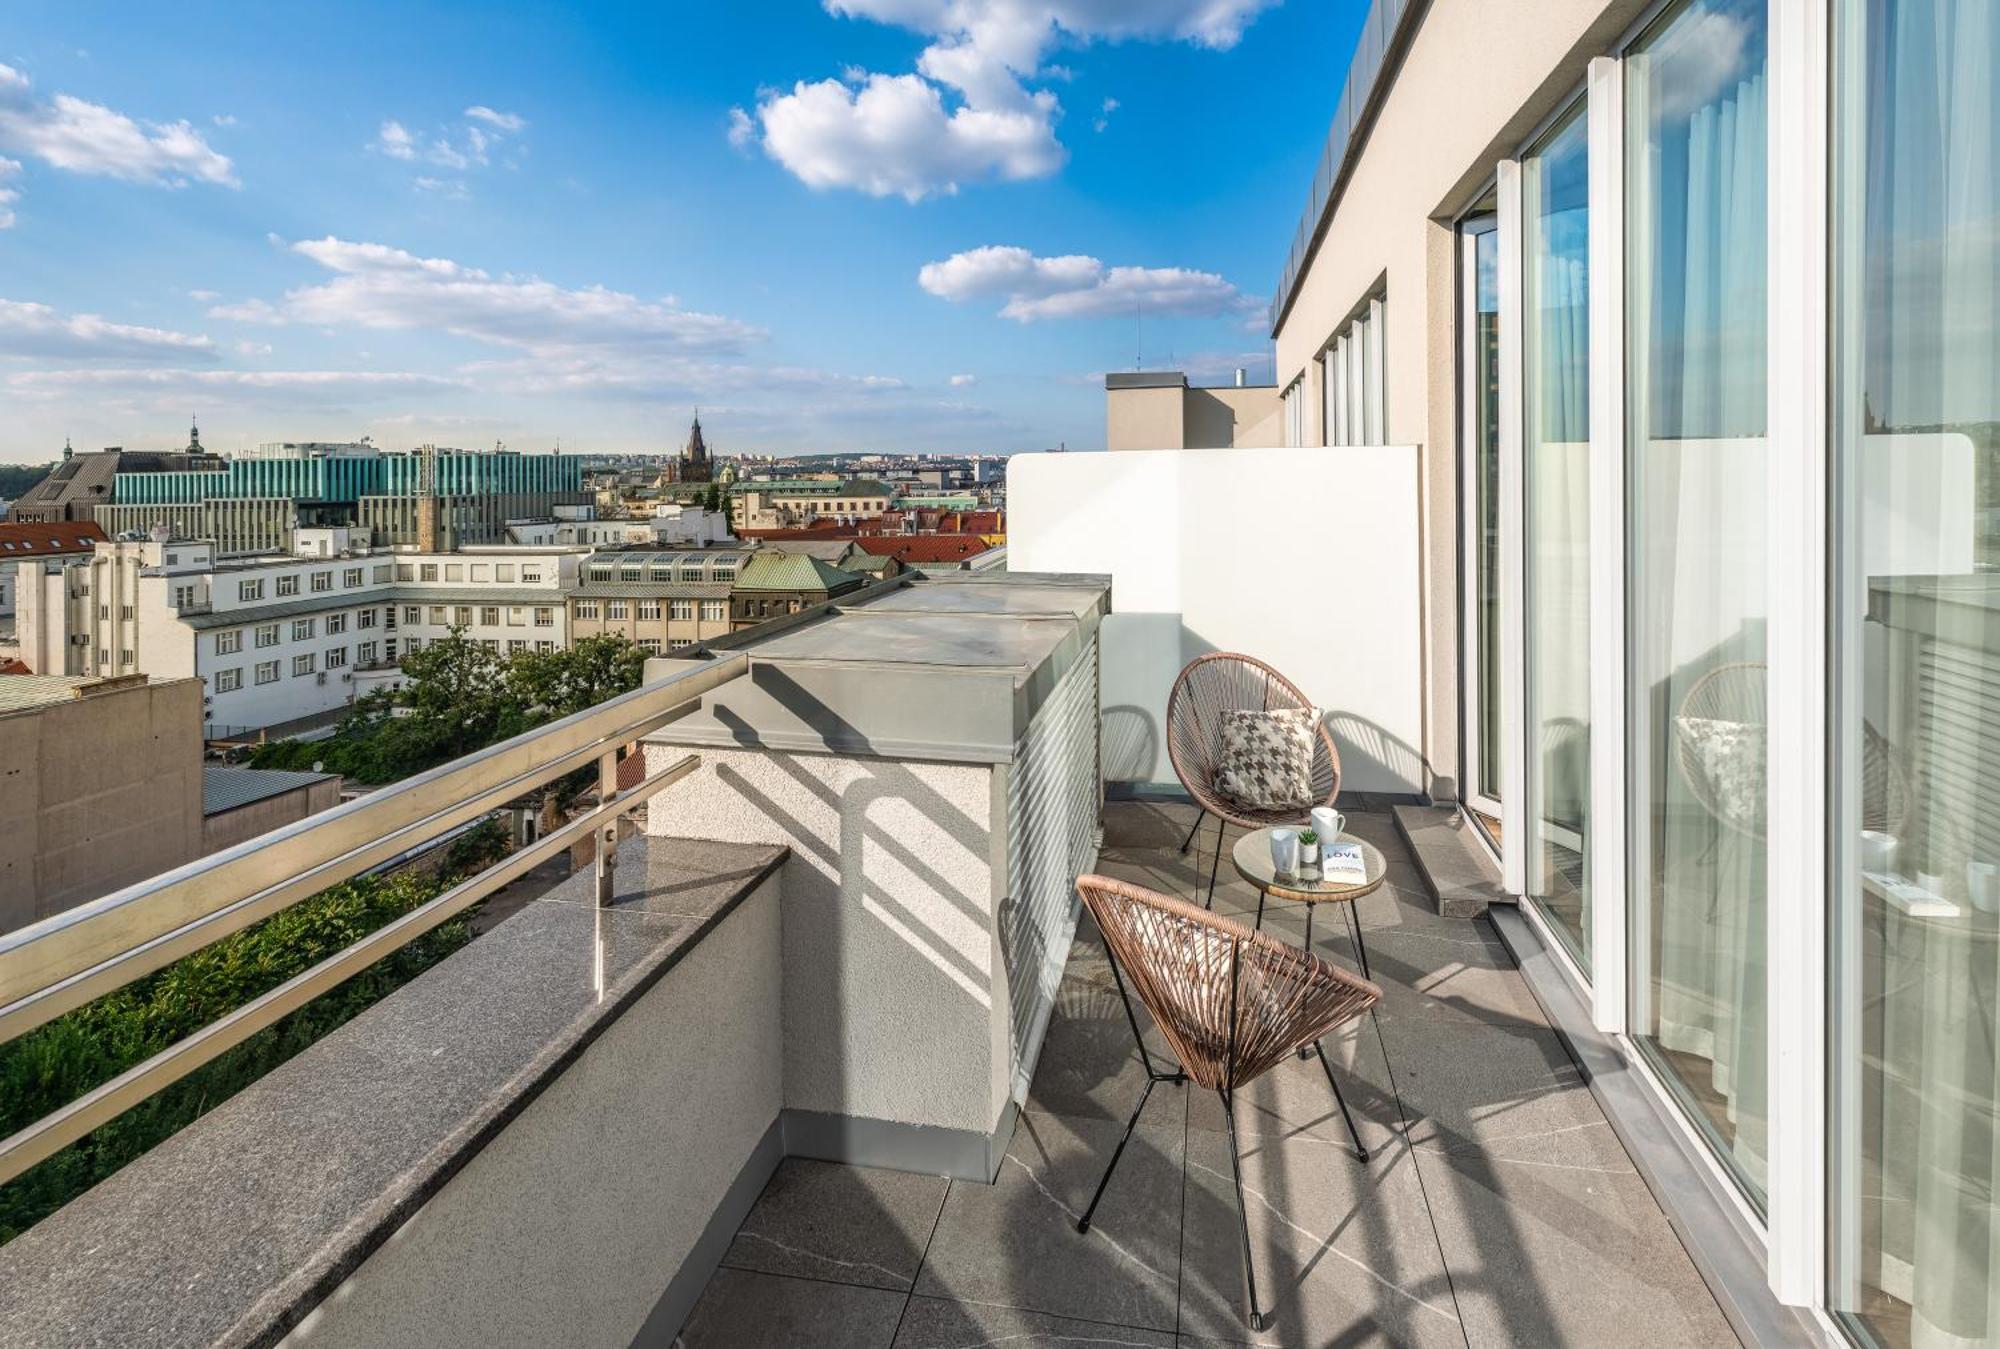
x,y
606,860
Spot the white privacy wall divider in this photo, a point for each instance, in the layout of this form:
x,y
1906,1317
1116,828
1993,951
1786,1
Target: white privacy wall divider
x,y
1307,558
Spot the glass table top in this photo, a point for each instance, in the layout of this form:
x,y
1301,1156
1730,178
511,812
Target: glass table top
x,y
1252,857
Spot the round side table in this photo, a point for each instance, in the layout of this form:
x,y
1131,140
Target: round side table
x,y
1252,858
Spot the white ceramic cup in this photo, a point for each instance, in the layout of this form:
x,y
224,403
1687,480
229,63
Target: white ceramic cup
x,y
1328,823
1878,852
1982,885
1285,851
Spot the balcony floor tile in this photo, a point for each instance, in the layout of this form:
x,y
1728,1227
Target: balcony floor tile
x,y
1015,1242
1339,1244
742,1307
932,1323
852,1224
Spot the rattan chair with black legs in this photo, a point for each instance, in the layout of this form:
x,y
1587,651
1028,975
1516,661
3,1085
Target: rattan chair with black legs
x,y
1231,1004
1206,688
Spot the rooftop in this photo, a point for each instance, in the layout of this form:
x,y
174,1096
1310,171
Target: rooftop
x,y
774,570
226,788
51,540
921,548
812,487
21,692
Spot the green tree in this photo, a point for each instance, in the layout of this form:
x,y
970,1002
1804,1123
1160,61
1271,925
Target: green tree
x,y
456,693
547,685
458,696
16,479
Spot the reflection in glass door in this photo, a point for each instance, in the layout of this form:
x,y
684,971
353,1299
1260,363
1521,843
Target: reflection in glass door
x,y
1696,484
1916,831
1555,195
1479,421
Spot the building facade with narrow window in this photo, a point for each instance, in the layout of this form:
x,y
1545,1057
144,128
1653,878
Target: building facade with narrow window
x,y
282,638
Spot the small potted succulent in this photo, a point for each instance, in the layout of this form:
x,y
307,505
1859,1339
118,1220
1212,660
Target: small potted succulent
x,y
1309,860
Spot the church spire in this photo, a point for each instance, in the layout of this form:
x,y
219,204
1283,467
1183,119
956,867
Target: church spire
x,y
694,465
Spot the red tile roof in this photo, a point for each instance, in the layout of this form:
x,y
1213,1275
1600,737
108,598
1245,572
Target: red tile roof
x,y
10,666
20,540
631,770
922,548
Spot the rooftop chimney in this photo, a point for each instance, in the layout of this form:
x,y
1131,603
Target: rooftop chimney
x,y
1241,377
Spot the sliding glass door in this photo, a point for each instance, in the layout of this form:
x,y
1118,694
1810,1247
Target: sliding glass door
x,y
1479,435
1916,708
1555,448
1696,467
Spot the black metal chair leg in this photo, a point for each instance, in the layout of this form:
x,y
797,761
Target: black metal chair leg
x,y
1359,1149
1303,1051
1187,842
1132,1019
1360,946
1083,1223
1215,863
1262,895
1257,1319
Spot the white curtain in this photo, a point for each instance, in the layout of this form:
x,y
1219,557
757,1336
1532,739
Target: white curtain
x,y
1929,363
1698,330
1557,470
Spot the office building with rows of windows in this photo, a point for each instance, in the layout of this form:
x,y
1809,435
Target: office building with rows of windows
x,y
250,503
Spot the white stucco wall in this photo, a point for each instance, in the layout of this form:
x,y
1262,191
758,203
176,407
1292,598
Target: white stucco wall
x,y
1308,559
894,1006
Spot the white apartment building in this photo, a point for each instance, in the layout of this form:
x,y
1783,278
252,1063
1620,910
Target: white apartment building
x,y
670,525
281,638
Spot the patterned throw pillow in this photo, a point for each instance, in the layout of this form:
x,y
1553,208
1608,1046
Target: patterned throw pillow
x,y
1267,759
1731,755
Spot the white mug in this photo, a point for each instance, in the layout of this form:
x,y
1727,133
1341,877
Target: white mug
x,y
1878,852
1328,823
1982,885
1285,851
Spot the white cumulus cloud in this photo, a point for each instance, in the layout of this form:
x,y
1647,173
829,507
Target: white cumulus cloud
x,y
462,147
1076,285
967,113
964,381
505,121
78,136
395,141
36,330
377,286
894,136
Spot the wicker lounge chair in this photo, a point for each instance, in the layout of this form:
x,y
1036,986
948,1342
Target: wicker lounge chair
x,y
1224,681
1231,1003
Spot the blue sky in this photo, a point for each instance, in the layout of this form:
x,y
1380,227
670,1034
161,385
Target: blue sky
x,y
879,224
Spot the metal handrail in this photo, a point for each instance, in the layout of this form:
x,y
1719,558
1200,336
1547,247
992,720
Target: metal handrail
x,y
70,958
105,1102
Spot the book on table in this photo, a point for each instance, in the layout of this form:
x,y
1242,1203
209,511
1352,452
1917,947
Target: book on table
x,y
1343,863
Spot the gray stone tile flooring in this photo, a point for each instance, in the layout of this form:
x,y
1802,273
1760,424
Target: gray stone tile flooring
x,y
1497,1206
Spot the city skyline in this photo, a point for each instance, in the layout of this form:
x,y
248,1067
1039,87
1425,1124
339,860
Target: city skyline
x,y
581,230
